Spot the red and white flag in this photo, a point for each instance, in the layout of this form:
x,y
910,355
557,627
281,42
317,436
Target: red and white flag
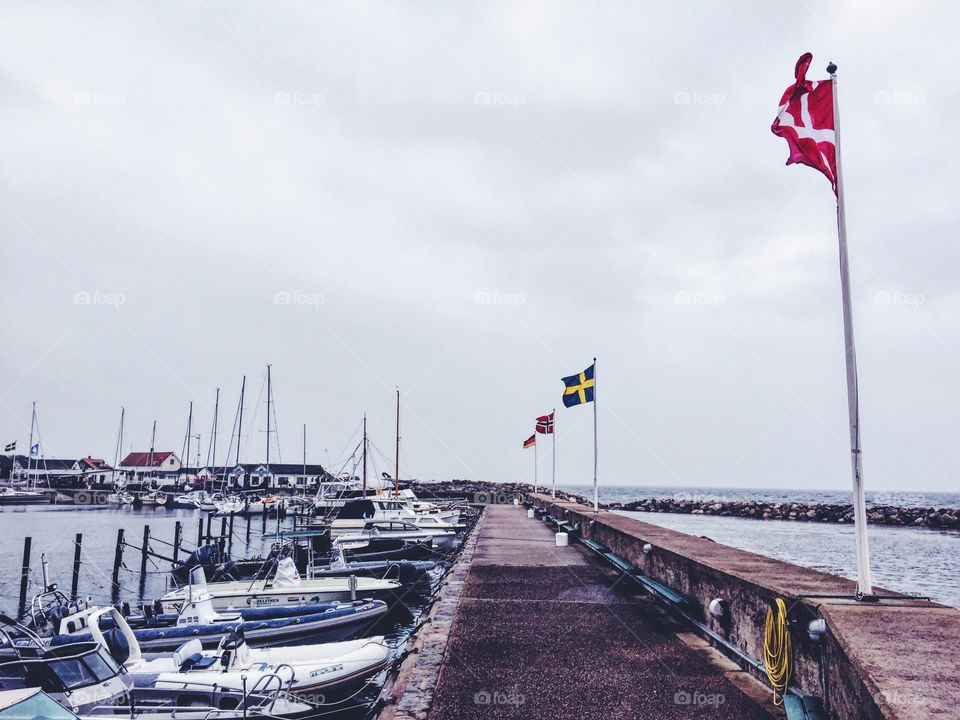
x,y
545,424
805,121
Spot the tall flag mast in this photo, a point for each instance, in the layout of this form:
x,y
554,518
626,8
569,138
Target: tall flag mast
x,y
545,426
809,120
580,389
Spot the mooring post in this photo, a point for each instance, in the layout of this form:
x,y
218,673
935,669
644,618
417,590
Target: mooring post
x,y
209,523
143,550
223,526
248,531
25,574
117,562
263,516
78,541
177,532
200,531
230,535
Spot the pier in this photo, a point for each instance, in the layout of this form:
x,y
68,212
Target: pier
x,y
540,631
632,620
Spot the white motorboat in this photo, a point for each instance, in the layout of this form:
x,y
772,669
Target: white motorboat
x,y
319,668
190,500
286,587
353,537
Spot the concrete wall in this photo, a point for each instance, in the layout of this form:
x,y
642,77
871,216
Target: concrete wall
x,y
851,669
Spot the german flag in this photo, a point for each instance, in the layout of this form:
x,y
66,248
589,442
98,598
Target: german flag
x,y
530,441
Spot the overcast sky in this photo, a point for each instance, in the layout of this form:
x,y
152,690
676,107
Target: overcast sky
x,y
469,202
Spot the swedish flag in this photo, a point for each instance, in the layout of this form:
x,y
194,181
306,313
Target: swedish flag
x,y
578,389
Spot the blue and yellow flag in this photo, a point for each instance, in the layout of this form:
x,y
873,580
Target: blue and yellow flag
x,y
578,389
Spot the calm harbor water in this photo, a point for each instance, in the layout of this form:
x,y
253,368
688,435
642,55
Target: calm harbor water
x,y
52,529
919,561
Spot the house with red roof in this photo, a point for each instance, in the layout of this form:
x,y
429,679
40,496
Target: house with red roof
x,y
162,464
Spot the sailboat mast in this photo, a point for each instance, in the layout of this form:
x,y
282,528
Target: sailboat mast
x,y
33,421
269,398
396,474
116,454
212,454
153,439
186,454
364,454
304,455
243,388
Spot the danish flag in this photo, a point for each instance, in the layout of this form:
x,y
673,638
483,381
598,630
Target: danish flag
x,y
805,121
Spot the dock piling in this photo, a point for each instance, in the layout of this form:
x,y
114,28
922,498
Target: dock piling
x,y
144,551
117,562
75,581
177,536
200,531
25,574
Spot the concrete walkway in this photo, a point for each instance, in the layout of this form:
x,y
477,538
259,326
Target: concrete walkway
x,y
540,633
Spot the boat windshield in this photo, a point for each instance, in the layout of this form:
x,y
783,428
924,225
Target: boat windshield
x,y
82,669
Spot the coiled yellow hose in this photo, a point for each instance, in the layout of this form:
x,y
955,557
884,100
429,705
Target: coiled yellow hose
x,y
777,655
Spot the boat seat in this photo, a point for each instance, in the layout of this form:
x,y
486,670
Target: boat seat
x,y
185,651
197,661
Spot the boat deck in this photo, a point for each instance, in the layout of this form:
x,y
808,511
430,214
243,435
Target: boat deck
x,y
545,632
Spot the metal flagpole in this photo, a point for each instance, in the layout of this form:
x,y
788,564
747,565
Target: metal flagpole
x,y
553,432
596,502
534,461
864,584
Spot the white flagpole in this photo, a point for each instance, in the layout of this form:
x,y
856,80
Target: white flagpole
x,y
553,432
864,584
534,461
596,501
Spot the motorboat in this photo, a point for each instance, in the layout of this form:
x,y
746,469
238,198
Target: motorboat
x,y
196,618
407,572
191,500
10,496
84,680
154,498
285,588
397,529
355,514
321,668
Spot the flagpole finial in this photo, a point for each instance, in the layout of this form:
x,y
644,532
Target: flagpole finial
x,y
832,68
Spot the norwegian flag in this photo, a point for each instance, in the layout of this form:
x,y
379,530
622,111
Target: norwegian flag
x,y
545,424
805,121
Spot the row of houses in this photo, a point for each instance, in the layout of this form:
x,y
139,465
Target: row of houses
x,y
160,469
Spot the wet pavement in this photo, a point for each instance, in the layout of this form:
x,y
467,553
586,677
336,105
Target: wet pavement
x,y
545,632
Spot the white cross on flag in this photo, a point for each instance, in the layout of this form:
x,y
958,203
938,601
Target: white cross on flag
x,y
805,121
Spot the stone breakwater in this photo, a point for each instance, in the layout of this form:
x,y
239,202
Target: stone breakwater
x,y
937,518
904,516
